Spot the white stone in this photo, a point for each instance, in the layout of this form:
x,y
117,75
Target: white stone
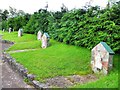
x,y
39,35
45,40
10,30
102,58
20,33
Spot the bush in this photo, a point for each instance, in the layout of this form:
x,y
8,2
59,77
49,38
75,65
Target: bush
x,y
80,27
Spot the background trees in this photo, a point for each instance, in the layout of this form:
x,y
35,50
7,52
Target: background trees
x,y
13,18
81,27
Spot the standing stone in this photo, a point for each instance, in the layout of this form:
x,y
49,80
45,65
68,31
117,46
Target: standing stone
x,y
45,40
102,58
20,33
39,35
3,30
10,30
13,30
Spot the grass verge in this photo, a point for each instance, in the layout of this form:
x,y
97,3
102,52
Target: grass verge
x,y
59,60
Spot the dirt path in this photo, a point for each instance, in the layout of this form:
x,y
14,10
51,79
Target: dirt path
x,y
15,51
67,81
11,79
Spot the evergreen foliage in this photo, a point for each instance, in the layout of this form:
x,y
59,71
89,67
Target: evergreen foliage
x,y
80,27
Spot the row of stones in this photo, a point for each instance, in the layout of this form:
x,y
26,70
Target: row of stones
x,y
23,71
40,36
7,42
44,38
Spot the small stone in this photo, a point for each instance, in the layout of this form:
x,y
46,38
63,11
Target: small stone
x,y
39,85
31,76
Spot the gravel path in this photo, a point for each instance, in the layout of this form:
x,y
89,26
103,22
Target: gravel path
x,y
11,79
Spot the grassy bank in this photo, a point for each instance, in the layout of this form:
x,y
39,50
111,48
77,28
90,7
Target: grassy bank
x,y
59,60
24,42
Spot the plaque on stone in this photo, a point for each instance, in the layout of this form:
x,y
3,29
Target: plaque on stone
x,y
102,58
39,35
45,40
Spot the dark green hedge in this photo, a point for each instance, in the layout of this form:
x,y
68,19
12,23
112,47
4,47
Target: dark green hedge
x,y
80,27
83,29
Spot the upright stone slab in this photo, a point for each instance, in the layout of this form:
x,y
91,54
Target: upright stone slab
x,y
102,58
45,40
3,30
10,30
39,35
20,32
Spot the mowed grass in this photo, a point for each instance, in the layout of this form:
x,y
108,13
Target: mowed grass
x,y
13,36
60,60
57,60
25,45
109,81
1,32
24,42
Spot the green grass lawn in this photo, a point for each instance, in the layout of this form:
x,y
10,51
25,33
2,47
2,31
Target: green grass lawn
x,y
58,60
24,42
13,36
25,45
109,81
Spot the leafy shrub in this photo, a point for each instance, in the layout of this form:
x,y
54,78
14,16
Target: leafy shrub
x,y
80,27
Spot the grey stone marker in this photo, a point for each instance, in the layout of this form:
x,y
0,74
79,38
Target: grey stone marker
x,y
10,30
20,32
39,35
45,40
102,58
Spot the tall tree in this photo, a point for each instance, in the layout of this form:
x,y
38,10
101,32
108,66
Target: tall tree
x,y
20,13
13,11
0,15
5,15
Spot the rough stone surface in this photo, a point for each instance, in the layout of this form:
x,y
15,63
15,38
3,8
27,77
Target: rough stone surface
x,y
59,82
10,79
45,40
31,77
37,84
68,81
101,58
